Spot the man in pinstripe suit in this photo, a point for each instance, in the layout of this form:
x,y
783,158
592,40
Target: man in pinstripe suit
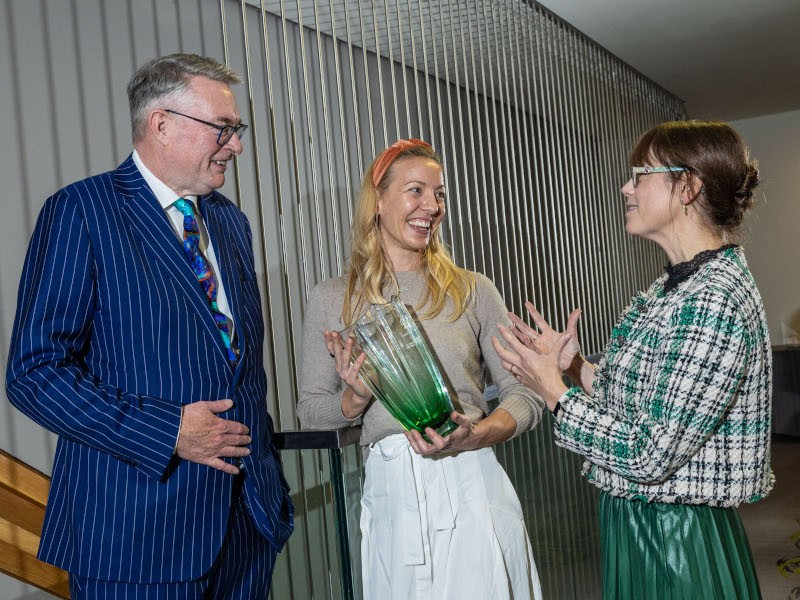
x,y
139,341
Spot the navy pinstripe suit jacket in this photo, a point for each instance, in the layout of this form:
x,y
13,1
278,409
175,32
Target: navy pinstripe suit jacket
x,y
113,334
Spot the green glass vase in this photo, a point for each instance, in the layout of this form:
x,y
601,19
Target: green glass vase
x,y
400,370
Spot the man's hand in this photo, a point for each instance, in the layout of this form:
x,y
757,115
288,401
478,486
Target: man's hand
x,y
205,438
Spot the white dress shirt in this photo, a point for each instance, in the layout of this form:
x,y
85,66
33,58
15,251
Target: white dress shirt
x,y
166,197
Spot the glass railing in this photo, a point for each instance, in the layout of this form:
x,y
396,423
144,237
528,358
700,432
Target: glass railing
x,y
322,559
323,556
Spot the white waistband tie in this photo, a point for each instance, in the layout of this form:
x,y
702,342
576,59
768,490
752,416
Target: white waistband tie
x,y
428,500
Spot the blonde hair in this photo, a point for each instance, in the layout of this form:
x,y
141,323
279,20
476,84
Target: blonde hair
x,y
371,270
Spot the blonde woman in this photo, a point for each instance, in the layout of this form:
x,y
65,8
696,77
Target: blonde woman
x,y
439,519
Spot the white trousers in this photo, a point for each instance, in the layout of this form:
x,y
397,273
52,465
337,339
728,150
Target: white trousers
x,y
446,527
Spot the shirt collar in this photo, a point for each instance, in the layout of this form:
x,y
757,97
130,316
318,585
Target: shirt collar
x,y
165,196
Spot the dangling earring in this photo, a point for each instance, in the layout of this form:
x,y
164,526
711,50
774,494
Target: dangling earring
x,y
686,209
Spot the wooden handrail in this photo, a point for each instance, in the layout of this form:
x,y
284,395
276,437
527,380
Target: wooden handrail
x,y
23,497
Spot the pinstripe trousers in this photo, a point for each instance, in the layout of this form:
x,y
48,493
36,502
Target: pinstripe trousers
x,y
241,571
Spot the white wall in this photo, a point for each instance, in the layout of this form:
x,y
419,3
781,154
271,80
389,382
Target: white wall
x,y
773,232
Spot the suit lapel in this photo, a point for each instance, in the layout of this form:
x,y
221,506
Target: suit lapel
x,y
152,232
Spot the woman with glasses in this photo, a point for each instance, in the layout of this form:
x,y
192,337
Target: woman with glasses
x,y
674,421
439,519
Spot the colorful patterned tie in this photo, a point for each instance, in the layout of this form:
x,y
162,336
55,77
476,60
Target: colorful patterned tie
x,y
203,272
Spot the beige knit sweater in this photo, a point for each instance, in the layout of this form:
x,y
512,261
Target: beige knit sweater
x,y
463,348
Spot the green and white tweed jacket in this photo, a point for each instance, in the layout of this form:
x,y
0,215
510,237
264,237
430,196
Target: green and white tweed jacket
x,y
681,409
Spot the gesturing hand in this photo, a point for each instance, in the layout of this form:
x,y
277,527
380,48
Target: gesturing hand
x,y
205,438
357,396
537,369
544,339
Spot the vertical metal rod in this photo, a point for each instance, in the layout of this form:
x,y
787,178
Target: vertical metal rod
x,y
429,134
509,185
576,176
295,164
334,202
581,173
225,52
565,227
557,94
312,154
449,234
268,304
590,325
624,119
348,186
517,195
574,242
549,145
466,196
526,194
609,176
368,89
321,241
275,373
392,66
254,129
639,125
611,223
493,219
499,87
379,60
342,534
544,114
479,142
441,140
404,70
537,120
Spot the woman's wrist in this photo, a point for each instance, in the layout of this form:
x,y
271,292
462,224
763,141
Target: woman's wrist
x,y
581,372
497,428
353,405
553,394
576,367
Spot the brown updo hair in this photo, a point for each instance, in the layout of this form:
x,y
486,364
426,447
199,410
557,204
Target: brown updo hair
x,y
714,153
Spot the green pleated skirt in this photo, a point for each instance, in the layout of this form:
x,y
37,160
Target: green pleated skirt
x,y
656,551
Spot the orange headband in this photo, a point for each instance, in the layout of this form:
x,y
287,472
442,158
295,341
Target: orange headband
x,y
388,156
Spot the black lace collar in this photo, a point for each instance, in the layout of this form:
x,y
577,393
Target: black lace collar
x,y
682,271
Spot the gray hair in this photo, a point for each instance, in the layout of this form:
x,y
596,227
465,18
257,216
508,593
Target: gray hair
x,y
169,76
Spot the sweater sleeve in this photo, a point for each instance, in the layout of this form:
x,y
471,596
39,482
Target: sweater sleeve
x,y
320,403
699,366
517,399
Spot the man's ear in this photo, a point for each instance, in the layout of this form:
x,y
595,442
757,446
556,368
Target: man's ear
x,y
158,126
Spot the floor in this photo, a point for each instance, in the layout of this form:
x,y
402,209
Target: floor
x,y
773,525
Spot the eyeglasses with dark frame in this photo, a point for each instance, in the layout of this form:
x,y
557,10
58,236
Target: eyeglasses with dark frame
x,y
638,171
225,131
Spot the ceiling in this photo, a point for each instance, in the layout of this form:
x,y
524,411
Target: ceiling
x,y
497,48
728,59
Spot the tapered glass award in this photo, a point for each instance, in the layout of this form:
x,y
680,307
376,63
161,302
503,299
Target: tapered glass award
x,y
400,370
